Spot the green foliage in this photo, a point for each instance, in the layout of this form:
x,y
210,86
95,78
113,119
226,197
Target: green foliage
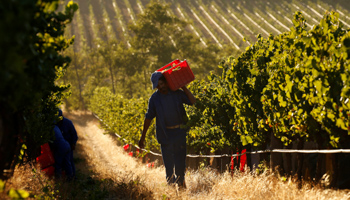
x,y
73,76
248,76
310,88
152,32
30,45
294,84
161,36
157,38
18,194
30,42
123,116
212,118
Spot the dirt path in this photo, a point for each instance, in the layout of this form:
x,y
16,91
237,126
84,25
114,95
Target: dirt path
x,y
99,155
106,171
100,149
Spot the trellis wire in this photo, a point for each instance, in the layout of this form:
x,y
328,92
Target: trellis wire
x,y
240,154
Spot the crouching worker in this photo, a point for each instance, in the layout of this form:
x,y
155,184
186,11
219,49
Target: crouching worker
x,y
167,107
69,134
61,151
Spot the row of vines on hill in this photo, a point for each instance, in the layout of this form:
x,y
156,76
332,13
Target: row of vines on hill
x,y
111,18
294,86
101,28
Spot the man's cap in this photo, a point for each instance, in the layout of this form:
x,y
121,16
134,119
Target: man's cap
x,y
155,78
59,112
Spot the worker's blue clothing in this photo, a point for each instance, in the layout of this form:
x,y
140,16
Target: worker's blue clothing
x,y
70,135
61,150
175,117
174,157
170,112
68,131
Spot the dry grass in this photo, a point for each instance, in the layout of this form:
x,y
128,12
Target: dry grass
x,y
201,184
111,161
105,171
27,177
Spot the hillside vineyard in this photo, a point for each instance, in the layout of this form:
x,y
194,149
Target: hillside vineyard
x,y
224,22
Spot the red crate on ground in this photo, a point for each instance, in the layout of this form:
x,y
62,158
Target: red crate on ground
x,y
49,171
45,148
46,158
177,74
242,162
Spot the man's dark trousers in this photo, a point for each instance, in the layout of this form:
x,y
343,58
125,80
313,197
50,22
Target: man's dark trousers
x,y
174,156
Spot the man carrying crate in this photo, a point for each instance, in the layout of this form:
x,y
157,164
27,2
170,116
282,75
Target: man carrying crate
x,y
167,107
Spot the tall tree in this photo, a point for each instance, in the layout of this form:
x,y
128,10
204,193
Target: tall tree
x,y
161,36
154,33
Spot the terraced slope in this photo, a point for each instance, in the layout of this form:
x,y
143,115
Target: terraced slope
x,y
224,22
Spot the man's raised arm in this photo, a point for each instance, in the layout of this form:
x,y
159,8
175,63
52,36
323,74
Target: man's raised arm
x,y
189,94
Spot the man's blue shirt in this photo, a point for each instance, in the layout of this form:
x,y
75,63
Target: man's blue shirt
x,y
172,116
169,111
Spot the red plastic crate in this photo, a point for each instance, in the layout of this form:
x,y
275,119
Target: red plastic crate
x,y
49,171
45,148
169,65
177,74
46,158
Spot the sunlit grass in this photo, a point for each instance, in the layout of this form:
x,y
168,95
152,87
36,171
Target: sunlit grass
x,y
106,171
